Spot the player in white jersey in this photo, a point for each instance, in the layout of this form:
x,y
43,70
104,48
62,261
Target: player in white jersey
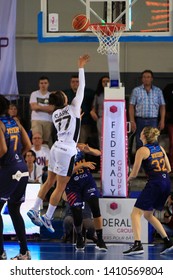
x,y
66,119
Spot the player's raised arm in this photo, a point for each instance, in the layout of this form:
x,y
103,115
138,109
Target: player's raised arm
x,y
83,60
77,101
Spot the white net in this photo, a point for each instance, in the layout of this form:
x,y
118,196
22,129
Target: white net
x,y
108,36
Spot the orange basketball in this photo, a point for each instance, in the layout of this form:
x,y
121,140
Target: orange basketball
x,y
80,23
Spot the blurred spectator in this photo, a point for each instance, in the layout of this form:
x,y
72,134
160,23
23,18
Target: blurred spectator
x,y
88,128
146,103
34,172
41,119
42,152
97,107
13,112
168,95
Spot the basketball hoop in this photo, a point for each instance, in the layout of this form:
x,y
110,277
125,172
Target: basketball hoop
x,y
108,35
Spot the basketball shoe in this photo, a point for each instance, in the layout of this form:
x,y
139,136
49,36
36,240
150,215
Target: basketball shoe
x,y
136,249
34,216
47,223
167,248
101,245
80,244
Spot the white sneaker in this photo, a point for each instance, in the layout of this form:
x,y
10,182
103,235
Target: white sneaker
x,y
35,218
47,223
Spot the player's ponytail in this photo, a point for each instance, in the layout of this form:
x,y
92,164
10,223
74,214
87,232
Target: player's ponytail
x,y
151,134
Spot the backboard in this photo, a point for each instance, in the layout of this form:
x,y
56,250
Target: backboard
x,y
145,20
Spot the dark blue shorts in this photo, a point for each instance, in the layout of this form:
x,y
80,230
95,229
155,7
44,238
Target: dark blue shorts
x,y
155,194
11,189
81,189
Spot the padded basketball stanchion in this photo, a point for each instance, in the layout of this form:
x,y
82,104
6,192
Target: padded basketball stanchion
x,y
114,145
114,72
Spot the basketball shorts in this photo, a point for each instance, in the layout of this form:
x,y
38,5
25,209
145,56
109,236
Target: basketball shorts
x,y
80,190
11,189
154,195
61,159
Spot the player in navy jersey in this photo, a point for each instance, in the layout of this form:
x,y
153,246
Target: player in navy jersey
x,y
66,119
80,188
13,176
156,165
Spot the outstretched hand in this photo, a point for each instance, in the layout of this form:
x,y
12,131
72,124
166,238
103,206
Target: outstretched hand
x,y
83,147
89,164
86,148
83,60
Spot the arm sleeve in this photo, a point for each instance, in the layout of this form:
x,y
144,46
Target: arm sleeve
x,y
77,101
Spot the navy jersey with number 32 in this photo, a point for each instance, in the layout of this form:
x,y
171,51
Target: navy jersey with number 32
x,y
155,163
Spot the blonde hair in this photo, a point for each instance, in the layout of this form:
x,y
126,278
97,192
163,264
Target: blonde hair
x,y
151,134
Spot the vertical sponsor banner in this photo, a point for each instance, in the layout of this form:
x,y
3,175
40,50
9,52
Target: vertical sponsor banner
x,y
114,153
8,80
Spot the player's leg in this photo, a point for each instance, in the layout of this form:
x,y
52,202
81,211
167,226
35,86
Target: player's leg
x,y
88,226
73,193
33,213
61,182
77,217
19,226
168,244
17,197
93,202
61,163
3,255
136,226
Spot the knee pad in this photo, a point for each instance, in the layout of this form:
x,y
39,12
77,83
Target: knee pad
x,y
94,205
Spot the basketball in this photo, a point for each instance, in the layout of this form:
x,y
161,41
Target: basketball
x,y
80,23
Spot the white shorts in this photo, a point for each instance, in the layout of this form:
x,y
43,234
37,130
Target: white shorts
x,y
61,159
